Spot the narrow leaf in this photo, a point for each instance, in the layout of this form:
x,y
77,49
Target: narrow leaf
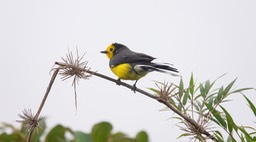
x,y
191,84
202,91
181,88
219,96
228,88
217,115
252,106
185,98
219,133
208,86
219,136
184,135
241,90
155,91
229,139
247,135
229,119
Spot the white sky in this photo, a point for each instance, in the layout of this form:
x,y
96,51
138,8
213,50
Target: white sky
x,y
209,38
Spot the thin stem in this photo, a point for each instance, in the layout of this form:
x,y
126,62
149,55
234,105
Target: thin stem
x,y
43,102
47,93
30,135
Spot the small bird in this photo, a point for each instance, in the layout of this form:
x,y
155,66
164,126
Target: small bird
x,y
130,65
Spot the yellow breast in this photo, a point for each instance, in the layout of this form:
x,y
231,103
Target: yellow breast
x,y
125,71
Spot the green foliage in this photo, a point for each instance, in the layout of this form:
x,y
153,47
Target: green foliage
x,y
19,134
142,137
252,106
81,137
203,103
56,134
101,132
4,137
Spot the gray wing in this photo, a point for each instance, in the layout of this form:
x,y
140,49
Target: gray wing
x,y
128,56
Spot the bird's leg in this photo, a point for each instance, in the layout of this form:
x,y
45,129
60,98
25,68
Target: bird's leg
x,y
134,87
118,81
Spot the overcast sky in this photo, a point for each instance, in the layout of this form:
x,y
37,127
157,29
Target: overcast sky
x,y
208,38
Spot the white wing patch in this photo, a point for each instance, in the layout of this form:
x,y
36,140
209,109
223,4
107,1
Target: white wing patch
x,y
148,68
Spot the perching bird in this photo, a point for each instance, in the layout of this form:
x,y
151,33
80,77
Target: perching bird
x,y
130,65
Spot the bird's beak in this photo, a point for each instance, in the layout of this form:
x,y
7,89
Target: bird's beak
x,y
105,52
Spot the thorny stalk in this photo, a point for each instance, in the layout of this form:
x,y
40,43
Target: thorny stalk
x,y
33,121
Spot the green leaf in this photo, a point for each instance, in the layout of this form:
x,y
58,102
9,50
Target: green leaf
x,y
228,88
202,91
15,135
198,105
219,97
217,115
56,134
211,100
229,139
101,132
254,138
218,133
191,84
241,90
197,97
185,98
250,127
208,86
179,107
154,90
4,137
184,135
82,137
219,136
246,134
181,88
125,139
142,136
252,106
120,137
229,119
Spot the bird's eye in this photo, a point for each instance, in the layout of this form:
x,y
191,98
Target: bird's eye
x,y
111,49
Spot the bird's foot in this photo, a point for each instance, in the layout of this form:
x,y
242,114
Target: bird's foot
x,y
118,81
134,88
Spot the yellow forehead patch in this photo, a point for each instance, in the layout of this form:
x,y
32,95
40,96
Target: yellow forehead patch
x,y
110,49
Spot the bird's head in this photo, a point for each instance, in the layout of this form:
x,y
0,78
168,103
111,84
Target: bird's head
x,y
113,49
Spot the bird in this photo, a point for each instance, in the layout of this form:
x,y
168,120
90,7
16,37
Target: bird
x,y
129,65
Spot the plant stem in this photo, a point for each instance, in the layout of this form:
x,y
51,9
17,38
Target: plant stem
x,y
43,102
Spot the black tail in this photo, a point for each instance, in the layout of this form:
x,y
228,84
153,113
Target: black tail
x,y
164,68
